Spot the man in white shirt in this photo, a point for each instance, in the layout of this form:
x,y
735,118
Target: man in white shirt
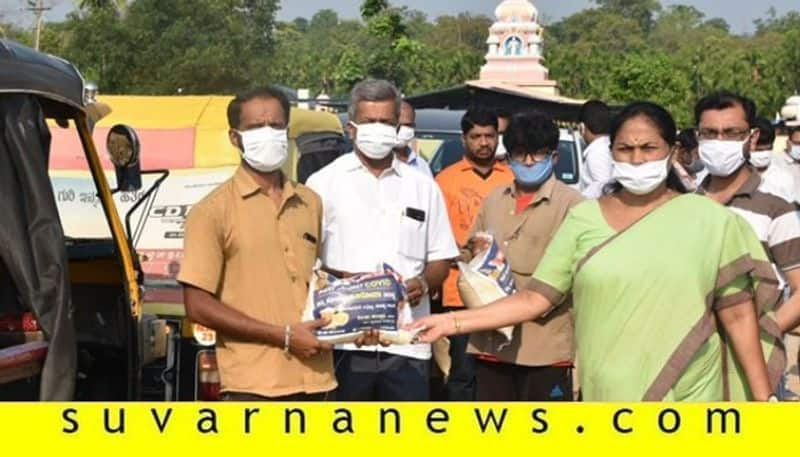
x,y
406,144
790,162
503,119
595,118
376,210
775,179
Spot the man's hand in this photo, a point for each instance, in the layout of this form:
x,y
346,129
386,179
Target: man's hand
x,y
304,343
415,289
477,244
369,338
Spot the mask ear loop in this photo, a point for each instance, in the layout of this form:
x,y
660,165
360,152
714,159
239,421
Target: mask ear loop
x,y
746,147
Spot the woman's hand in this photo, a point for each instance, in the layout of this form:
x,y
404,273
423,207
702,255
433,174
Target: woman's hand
x,y
432,328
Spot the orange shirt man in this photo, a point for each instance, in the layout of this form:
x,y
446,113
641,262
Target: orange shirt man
x,y
464,185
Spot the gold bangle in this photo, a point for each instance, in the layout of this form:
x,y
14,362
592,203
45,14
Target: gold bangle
x,y
456,324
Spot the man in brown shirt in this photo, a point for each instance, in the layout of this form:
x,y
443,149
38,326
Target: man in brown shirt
x,y
249,251
523,217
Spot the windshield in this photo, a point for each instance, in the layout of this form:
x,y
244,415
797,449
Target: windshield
x,y
566,170
429,142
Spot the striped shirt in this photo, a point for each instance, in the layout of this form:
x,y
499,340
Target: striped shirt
x,y
775,220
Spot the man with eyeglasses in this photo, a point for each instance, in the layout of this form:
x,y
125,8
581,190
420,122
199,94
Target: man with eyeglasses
x,y
727,136
378,210
523,216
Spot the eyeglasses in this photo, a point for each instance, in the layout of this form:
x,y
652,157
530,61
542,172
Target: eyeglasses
x,y
732,134
538,156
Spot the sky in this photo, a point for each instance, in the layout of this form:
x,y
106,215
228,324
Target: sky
x,y
740,14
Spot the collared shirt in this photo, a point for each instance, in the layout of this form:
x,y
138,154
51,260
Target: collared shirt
x,y
788,167
775,221
598,167
464,190
416,162
257,258
779,180
366,224
523,238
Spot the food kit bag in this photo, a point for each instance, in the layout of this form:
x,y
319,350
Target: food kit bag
x,y
486,278
359,303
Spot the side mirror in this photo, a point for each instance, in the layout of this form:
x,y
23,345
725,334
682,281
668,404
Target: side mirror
x,y
123,149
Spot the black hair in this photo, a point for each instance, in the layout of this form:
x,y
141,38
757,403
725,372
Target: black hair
x,y
478,116
596,116
723,100
502,113
664,123
656,114
687,139
531,131
766,135
266,93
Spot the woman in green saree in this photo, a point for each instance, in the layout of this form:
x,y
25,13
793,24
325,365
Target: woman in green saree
x,y
652,275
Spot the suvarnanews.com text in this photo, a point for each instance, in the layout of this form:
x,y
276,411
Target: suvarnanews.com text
x,y
297,420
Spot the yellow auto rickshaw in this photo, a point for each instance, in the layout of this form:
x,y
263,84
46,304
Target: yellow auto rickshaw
x,y
71,320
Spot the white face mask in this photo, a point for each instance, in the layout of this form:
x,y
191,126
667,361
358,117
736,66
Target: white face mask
x,y
641,179
405,135
722,158
375,140
760,159
794,152
265,149
501,152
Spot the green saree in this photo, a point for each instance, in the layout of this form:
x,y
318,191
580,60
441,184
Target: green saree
x,y
645,298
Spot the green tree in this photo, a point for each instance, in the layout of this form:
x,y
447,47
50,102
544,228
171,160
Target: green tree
x,y
618,51
651,76
325,19
300,24
462,31
13,32
372,8
642,11
200,46
718,23
91,5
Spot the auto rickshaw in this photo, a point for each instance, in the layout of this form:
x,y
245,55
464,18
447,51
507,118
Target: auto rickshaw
x,y
71,320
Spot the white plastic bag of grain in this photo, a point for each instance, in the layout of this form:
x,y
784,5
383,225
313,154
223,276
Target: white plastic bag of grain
x,y
360,303
487,278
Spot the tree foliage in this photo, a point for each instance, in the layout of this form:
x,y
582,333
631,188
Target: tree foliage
x,y
610,53
620,50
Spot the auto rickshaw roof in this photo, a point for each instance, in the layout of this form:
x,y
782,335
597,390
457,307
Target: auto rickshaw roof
x,y
55,81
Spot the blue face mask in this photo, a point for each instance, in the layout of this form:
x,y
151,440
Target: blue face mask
x,y
534,175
